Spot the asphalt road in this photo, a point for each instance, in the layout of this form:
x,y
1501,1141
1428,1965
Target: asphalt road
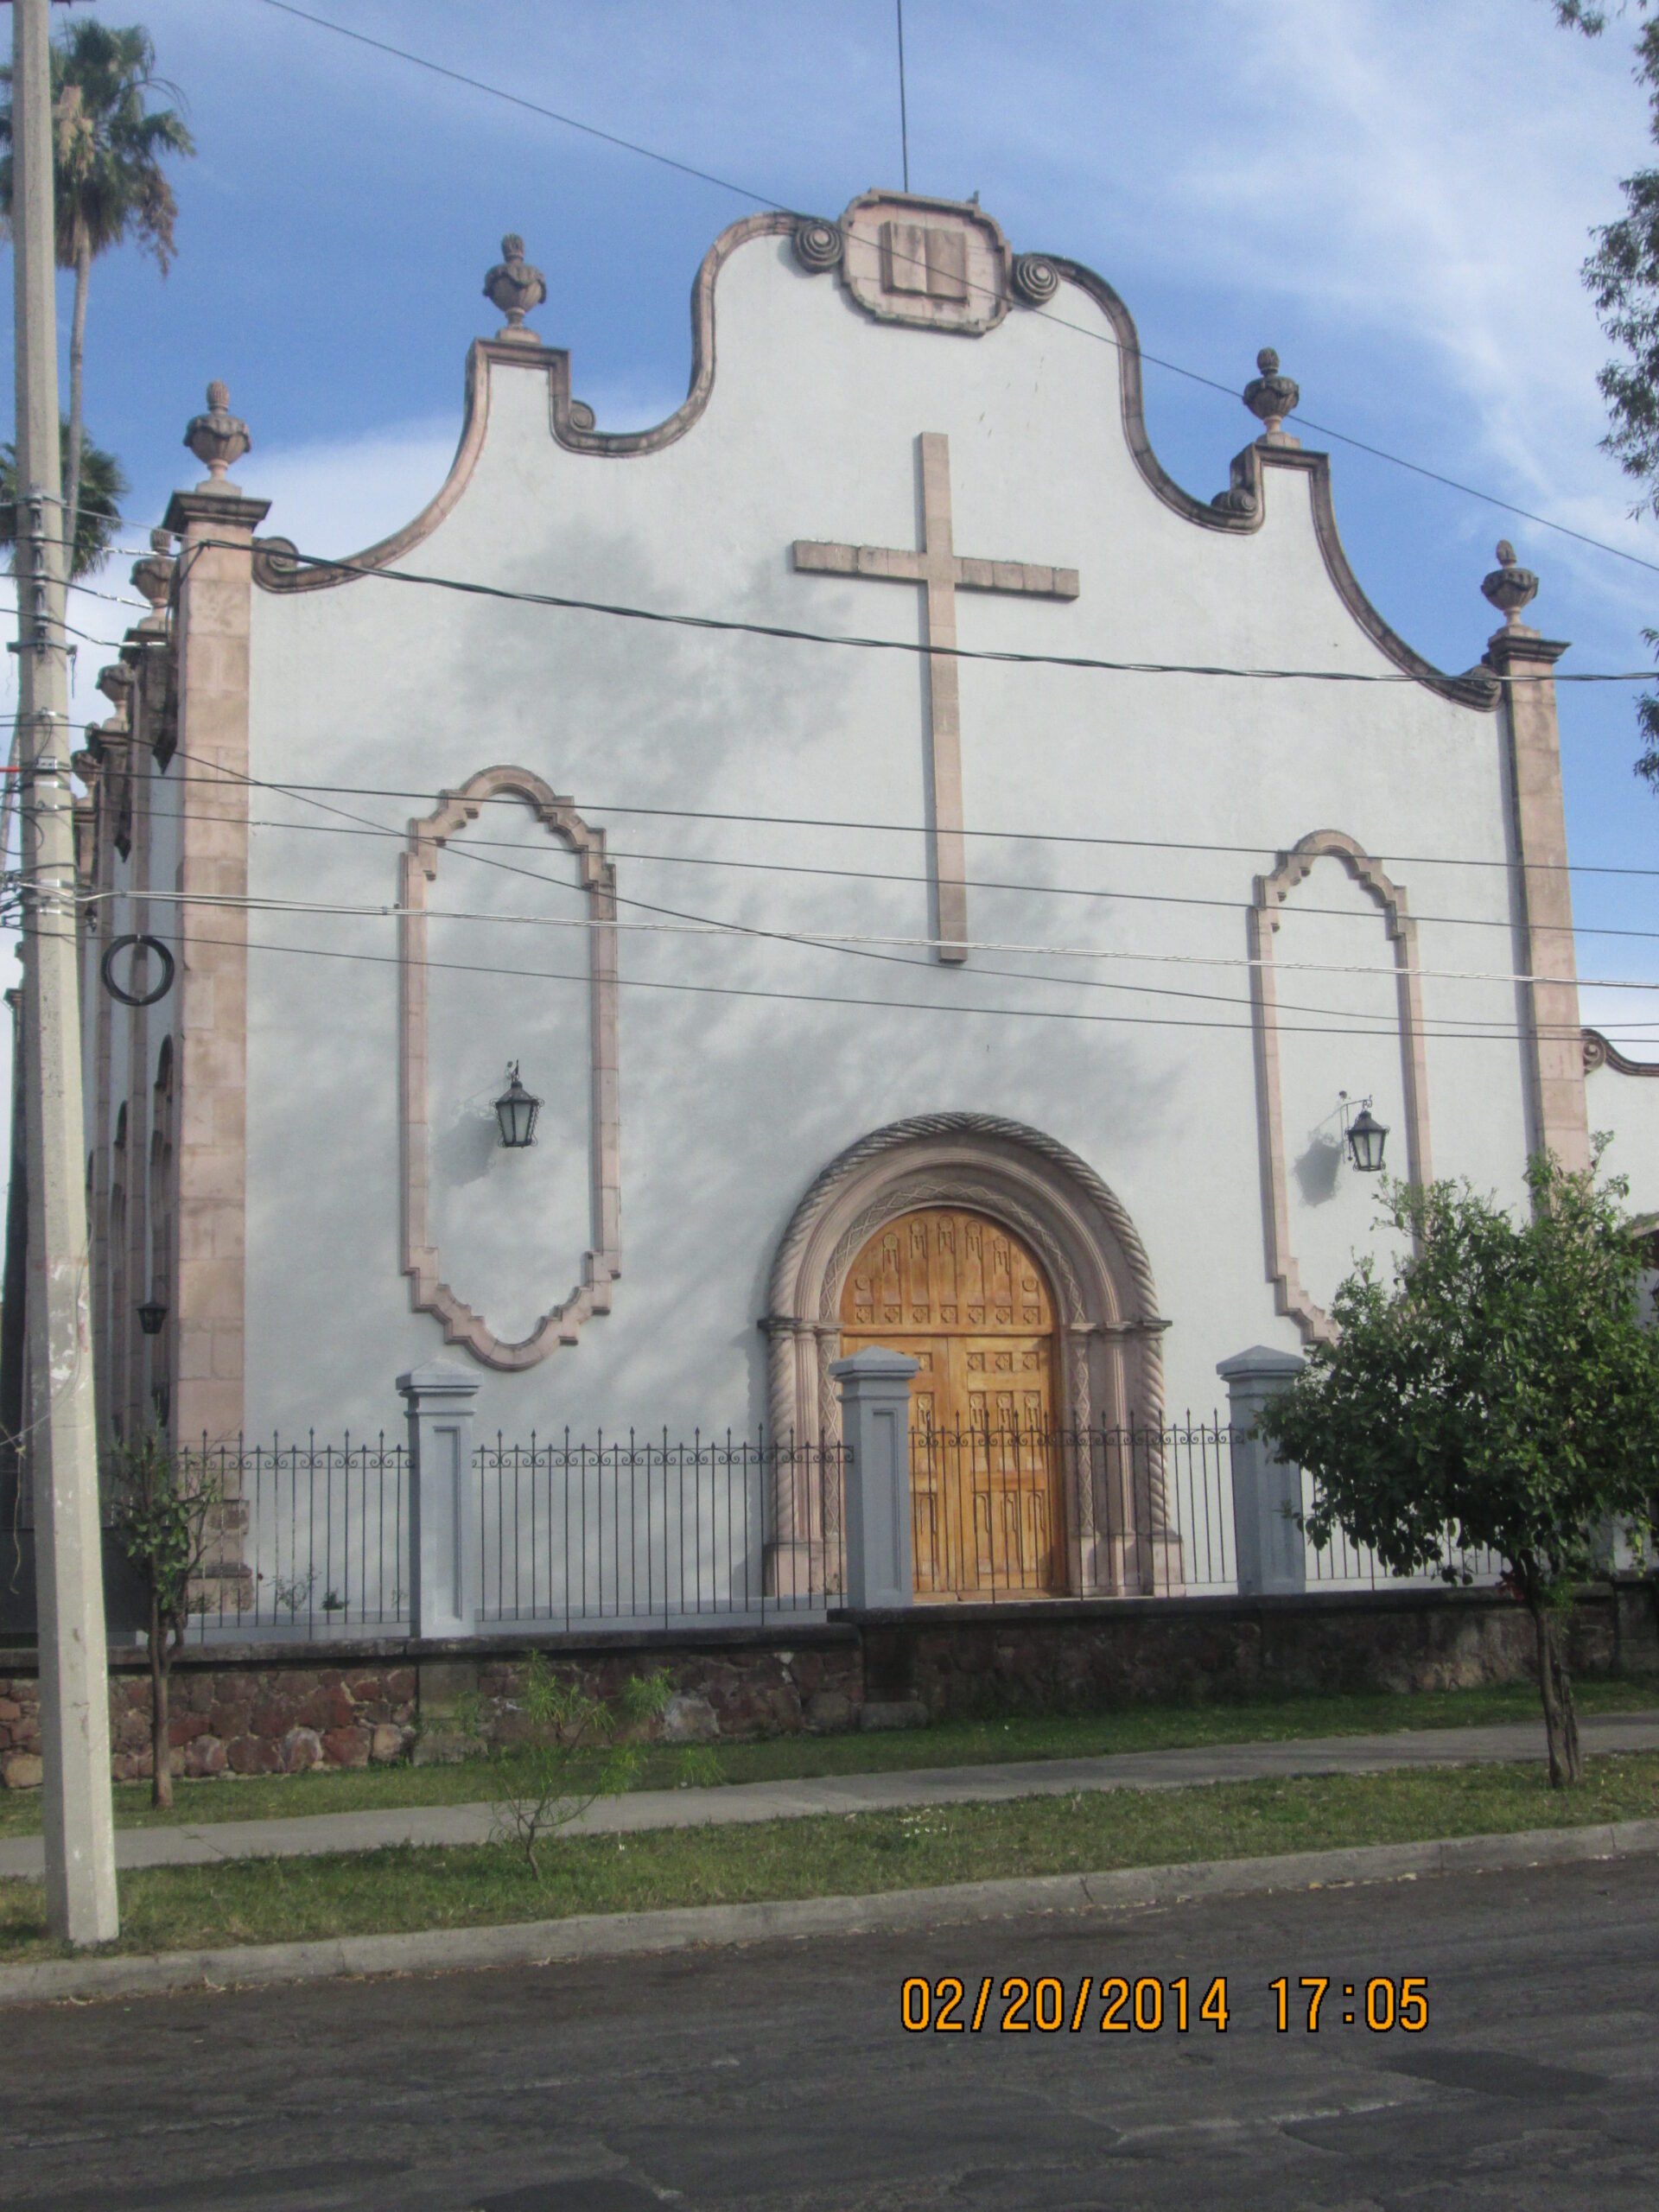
x,y
780,2076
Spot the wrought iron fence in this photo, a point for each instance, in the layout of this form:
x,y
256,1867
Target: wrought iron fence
x,y
308,1540
312,1541
648,1531
1135,1509
1026,1512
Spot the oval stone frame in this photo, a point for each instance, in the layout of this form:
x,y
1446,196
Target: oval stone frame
x,y
601,1266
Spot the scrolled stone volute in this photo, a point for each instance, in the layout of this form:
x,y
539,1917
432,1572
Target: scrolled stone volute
x,y
818,244
1510,587
1270,396
217,438
152,575
515,286
1036,279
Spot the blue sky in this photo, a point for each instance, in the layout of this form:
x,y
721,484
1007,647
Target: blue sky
x,y
1396,194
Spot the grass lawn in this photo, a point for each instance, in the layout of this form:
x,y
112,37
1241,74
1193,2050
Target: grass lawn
x,y
954,1743
257,1901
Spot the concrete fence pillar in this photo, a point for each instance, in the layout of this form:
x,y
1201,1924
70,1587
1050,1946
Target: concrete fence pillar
x,y
875,1387
1269,1551
443,1539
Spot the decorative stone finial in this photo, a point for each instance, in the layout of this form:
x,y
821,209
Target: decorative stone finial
x,y
515,287
115,681
1510,587
1270,397
217,438
153,576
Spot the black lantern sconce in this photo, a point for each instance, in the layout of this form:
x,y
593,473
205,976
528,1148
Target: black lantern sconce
x,y
151,1316
516,1110
1365,1136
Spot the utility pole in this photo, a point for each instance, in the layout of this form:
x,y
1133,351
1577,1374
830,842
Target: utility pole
x,y
60,1434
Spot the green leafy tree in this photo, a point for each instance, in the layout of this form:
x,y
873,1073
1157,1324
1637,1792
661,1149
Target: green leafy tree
x,y
165,1510
574,1752
103,487
1622,275
108,184
1500,1394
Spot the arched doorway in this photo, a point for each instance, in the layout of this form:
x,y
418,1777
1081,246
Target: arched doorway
x,y
1108,1367
961,1295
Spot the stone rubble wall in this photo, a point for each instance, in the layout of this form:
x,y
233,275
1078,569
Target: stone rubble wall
x,y
289,1715
282,1712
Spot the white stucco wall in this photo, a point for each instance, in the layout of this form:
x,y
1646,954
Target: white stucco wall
x,y
731,1103
1626,1108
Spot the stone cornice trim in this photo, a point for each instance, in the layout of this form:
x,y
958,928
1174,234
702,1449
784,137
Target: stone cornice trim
x,y
571,422
1514,646
1238,512
1290,1293
216,510
1599,1051
1241,508
428,1293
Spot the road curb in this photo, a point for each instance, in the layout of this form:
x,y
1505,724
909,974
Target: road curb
x,y
613,1935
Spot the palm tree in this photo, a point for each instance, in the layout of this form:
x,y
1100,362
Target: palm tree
x,y
103,487
108,178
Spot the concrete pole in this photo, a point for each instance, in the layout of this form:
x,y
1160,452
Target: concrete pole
x,y
61,1445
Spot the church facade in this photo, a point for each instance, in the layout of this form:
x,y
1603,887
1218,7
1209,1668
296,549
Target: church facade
x,y
860,811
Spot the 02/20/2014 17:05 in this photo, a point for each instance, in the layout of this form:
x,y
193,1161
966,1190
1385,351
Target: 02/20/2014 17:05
x,y
1020,2003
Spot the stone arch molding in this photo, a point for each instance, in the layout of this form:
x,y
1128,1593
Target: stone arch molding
x,y
1271,891
602,1263
1111,1369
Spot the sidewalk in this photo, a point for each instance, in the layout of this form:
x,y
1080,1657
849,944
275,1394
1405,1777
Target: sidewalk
x,y
22,1857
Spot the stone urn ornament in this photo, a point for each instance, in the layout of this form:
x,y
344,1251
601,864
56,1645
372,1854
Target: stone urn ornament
x,y
515,286
217,438
153,577
1270,396
1510,587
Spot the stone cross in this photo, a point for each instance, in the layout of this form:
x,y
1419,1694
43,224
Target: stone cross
x,y
943,573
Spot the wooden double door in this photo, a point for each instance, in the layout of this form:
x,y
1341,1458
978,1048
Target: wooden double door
x,y
965,1299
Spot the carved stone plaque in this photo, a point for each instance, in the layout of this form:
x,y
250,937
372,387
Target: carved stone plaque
x,y
942,264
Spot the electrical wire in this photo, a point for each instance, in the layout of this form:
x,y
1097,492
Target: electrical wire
x,y
1262,849
820,944
1057,321
891,1005
789,633
678,925
396,835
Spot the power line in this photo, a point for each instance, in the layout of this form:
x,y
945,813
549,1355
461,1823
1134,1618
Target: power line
x,y
1262,849
899,1006
1057,321
400,836
673,923
820,942
791,634
517,99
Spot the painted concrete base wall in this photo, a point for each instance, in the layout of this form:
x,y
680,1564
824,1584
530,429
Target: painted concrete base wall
x,y
376,1703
